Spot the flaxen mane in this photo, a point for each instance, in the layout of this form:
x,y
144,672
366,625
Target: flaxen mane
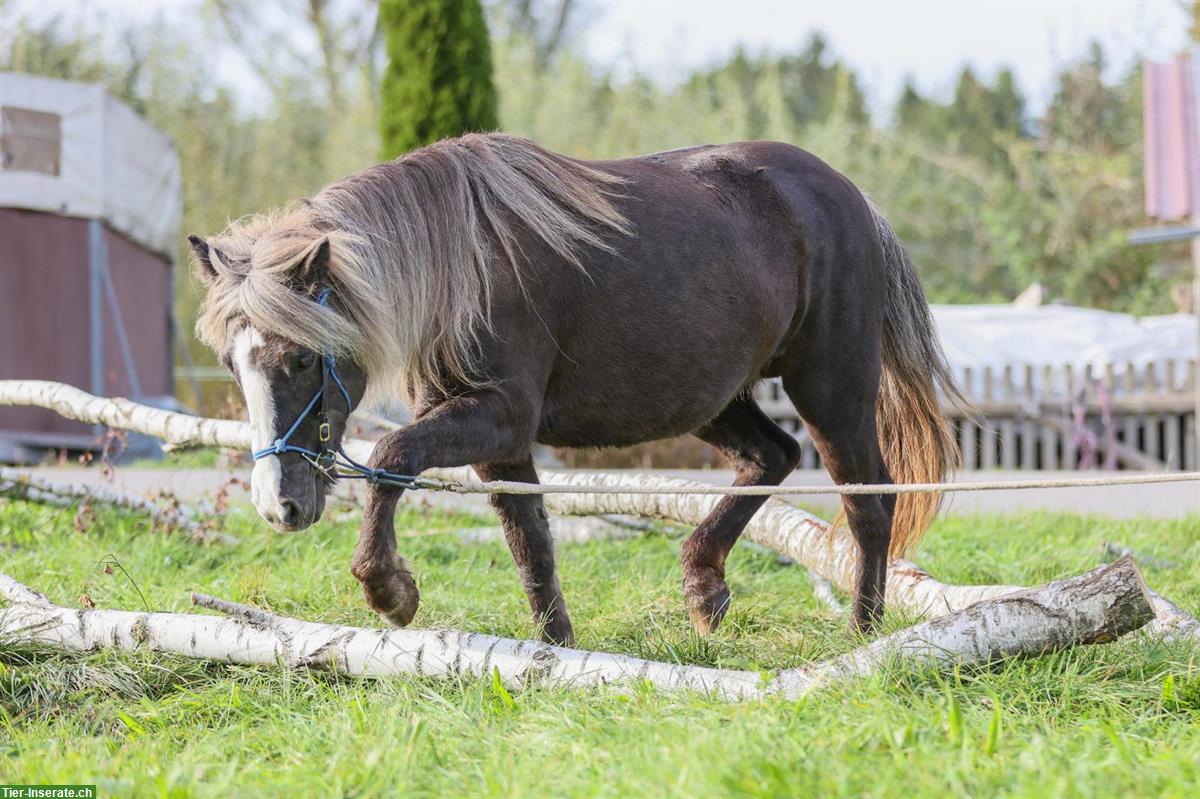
x,y
410,261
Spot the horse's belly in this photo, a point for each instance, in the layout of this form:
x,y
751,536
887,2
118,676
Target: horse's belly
x,y
622,426
619,401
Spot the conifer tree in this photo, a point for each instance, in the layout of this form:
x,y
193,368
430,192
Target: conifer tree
x,y
438,81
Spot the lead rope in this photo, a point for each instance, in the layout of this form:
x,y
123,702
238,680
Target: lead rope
x,y
337,464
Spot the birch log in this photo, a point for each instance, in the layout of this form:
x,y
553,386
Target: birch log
x,y
25,485
122,414
564,530
778,525
804,538
1096,607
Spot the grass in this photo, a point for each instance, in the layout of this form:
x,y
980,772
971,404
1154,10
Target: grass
x,y
1122,719
198,458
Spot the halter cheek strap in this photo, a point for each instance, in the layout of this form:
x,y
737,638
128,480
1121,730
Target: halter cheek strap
x,y
332,462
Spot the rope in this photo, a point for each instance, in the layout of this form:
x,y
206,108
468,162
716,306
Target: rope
x,y
507,487
335,463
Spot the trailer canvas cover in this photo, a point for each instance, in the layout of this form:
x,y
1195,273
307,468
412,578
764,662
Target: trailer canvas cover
x,y
111,164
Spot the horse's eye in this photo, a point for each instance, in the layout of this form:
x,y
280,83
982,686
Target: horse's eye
x,y
306,361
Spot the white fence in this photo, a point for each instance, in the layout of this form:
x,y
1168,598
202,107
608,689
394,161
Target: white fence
x,y
1123,417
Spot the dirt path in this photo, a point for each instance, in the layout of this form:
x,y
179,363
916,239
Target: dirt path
x,y
1160,501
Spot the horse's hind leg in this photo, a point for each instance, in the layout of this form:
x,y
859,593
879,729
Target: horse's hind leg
x,y
761,454
837,404
527,530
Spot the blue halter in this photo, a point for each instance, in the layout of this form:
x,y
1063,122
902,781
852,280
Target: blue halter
x,y
334,463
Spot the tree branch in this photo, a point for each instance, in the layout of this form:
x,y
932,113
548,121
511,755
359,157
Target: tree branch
x,y
123,414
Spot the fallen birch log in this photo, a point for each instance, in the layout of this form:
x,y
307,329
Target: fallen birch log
x,y
779,526
563,529
32,488
1096,607
806,539
122,414
824,593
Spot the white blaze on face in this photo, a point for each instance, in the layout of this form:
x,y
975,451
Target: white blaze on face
x,y
267,476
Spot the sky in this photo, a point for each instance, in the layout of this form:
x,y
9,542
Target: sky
x,y
884,41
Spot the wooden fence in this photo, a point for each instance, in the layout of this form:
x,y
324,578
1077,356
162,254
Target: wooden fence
x,y
1059,418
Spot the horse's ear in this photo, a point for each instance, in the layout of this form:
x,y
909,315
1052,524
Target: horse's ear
x,y
315,268
204,265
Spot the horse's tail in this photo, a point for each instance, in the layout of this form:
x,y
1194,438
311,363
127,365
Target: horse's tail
x,y
918,445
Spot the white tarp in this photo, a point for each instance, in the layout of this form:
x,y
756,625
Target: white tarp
x,y
978,336
114,165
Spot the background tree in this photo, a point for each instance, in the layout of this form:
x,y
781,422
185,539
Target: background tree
x,y
978,122
438,81
278,39
1089,112
546,25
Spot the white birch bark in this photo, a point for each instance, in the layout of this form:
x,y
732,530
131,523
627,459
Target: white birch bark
x,y
800,536
1093,608
564,530
123,414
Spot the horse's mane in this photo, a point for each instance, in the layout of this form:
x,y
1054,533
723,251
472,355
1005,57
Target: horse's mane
x,y
411,264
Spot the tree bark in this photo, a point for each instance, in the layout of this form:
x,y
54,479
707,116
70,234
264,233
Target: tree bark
x,y
564,529
1096,607
123,414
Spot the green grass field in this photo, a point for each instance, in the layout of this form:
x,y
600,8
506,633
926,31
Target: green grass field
x,y
1116,720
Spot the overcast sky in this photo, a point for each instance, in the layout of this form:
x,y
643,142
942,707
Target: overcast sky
x,y
883,40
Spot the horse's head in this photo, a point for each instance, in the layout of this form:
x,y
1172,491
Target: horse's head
x,y
297,405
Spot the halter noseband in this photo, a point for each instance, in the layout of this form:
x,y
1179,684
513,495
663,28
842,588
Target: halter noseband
x,y
332,462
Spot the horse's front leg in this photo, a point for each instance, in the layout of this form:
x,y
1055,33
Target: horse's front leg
x,y
475,428
527,531
387,583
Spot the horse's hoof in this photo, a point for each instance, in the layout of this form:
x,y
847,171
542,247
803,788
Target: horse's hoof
x,y
708,609
393,595
862,624
402,614
557,632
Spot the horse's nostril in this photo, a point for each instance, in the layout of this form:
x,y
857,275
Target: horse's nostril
x,y
290,512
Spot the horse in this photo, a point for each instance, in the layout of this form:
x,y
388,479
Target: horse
x,y
512,296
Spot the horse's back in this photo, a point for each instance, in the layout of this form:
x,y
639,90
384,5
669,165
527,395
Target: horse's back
x,y
691,308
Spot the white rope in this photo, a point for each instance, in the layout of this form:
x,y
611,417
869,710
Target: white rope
x,y
507,487
177,428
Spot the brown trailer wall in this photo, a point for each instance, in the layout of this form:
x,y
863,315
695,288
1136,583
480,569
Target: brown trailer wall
x,y
142,281
43,309
44,314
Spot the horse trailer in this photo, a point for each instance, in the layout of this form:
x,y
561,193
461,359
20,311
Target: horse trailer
x,y
90,204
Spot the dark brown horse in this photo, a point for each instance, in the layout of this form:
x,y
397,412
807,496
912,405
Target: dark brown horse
x,y
515,296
